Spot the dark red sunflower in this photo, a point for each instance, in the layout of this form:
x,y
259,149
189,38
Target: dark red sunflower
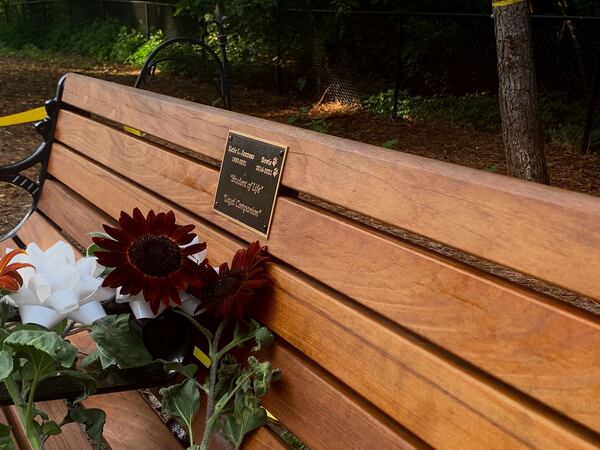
x,y
10,280
147,255
229,291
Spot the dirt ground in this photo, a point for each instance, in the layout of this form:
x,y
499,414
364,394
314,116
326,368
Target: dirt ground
x,y
25,84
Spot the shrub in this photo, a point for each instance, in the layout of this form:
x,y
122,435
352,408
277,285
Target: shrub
x,y
561,116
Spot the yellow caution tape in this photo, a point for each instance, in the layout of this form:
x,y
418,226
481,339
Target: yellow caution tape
x,y
202,357
33,115
506,3
132,130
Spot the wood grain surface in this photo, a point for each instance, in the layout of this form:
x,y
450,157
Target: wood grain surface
x,y
4,419
308,392
537,345
438,398
548,233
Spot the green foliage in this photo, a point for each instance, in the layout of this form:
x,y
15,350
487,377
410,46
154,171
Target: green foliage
x,y
105,41
182,401
561,116
478,111
41,349
302,119
127,44
5,440
117,344
390,143
139,56
247,415
92,419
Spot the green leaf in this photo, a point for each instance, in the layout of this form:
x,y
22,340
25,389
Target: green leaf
x,y
264,338
92,419
50,428
182,401
33,342
92,361
228,371
6,442
118,344
88,382
189,370
60,326
390,143
3,335
91,250
247,415
264,375
6,364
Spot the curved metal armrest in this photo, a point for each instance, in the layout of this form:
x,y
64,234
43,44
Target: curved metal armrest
x,y
12,173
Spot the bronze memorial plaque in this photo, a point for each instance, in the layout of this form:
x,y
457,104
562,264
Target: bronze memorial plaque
x,y
249,180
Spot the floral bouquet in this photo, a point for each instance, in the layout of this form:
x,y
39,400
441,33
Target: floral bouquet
x,y
133,277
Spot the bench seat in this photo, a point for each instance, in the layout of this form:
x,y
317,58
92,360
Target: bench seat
x,y
383,343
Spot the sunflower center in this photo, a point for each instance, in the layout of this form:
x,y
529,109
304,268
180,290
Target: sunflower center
x,y
228,285
155,255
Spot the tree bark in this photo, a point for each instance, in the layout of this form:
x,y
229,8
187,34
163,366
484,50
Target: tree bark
x,y
521,127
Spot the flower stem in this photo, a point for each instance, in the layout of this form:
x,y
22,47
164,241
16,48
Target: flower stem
x,y
214,356
207,334
30,432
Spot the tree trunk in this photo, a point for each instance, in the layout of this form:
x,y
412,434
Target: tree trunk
x,y
521,127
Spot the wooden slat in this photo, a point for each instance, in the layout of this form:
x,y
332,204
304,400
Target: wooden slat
x,y
5,420
6,245
309,393
18,429
37,230
306,396
131,423
545,352
545,232
434,396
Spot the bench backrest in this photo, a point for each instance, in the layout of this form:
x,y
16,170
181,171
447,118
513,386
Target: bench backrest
x,y
382,342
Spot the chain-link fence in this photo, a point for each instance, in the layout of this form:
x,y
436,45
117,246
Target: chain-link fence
x,y
441,54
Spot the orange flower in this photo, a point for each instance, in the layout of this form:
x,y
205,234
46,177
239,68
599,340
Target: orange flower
x,y
10,280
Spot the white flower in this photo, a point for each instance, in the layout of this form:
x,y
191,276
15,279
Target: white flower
x,y
59,287
141,309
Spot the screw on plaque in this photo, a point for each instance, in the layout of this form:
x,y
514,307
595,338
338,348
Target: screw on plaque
x,y
230,137
280,152
216,203
265,227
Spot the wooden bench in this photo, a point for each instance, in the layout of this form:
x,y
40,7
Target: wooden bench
x,y
383,344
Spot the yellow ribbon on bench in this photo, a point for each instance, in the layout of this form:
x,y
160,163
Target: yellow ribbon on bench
x,y
33,115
